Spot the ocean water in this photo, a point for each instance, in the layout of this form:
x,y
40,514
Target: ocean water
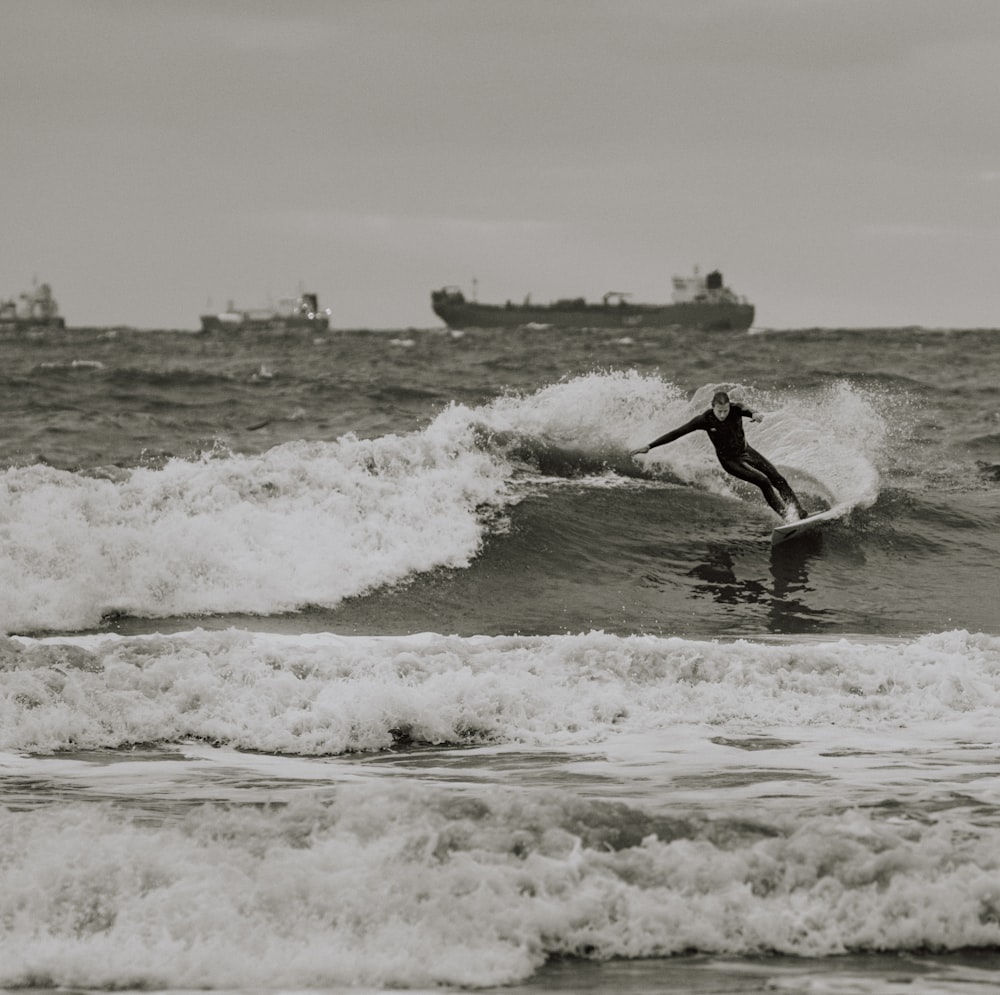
x,y
370,661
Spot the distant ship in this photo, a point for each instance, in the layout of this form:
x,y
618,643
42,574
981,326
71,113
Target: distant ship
x,y
290,314
36,308
699,302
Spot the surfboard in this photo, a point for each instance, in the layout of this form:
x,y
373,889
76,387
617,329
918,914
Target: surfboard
x,y
782,533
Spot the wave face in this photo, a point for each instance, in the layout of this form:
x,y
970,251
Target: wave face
x,y
452,519
372,661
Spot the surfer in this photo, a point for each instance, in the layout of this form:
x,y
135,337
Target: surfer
x,y
723,422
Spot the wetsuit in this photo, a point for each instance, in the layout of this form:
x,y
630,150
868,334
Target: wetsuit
x,y
736,457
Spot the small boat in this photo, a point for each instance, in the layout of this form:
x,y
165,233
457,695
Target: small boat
x,y
36,308
699,302
290,314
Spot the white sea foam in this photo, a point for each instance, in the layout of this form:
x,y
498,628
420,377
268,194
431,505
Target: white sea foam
x,y
300,524
739,798
329,694
415,885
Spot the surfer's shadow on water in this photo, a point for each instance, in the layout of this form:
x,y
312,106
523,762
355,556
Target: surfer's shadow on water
x,y
784,593
717,577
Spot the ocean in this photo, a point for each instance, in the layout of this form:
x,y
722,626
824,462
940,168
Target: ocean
x,y
370,661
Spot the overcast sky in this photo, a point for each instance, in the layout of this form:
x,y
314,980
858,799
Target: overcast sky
x,y
838,160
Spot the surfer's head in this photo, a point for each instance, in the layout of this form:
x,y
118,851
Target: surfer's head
x,y
720,405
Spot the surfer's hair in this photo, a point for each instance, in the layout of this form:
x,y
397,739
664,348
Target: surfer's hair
x,y
721,397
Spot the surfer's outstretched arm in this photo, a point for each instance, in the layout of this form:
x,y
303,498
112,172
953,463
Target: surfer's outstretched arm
x,y
697,422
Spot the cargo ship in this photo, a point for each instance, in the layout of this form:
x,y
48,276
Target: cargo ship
x,y
701,302
290,314
36,308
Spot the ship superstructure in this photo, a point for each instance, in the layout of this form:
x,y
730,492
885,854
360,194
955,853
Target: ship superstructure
x,y
35,308
289,314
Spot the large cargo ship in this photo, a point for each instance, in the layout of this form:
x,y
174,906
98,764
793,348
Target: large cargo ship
x,y
290,314
36,308
701,302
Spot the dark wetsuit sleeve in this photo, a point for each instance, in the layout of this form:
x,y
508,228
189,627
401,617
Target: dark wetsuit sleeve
x,y
692,426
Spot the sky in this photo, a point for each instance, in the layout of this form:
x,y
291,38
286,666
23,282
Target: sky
x,y
837,160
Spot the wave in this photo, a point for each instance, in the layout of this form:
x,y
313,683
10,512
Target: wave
x,y
306,524
878,381
407,882
303,523
984,443
131,377
413,888
324,694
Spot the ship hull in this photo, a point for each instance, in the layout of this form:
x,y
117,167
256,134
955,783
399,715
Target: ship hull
x,y
278,323
694,315
30,324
